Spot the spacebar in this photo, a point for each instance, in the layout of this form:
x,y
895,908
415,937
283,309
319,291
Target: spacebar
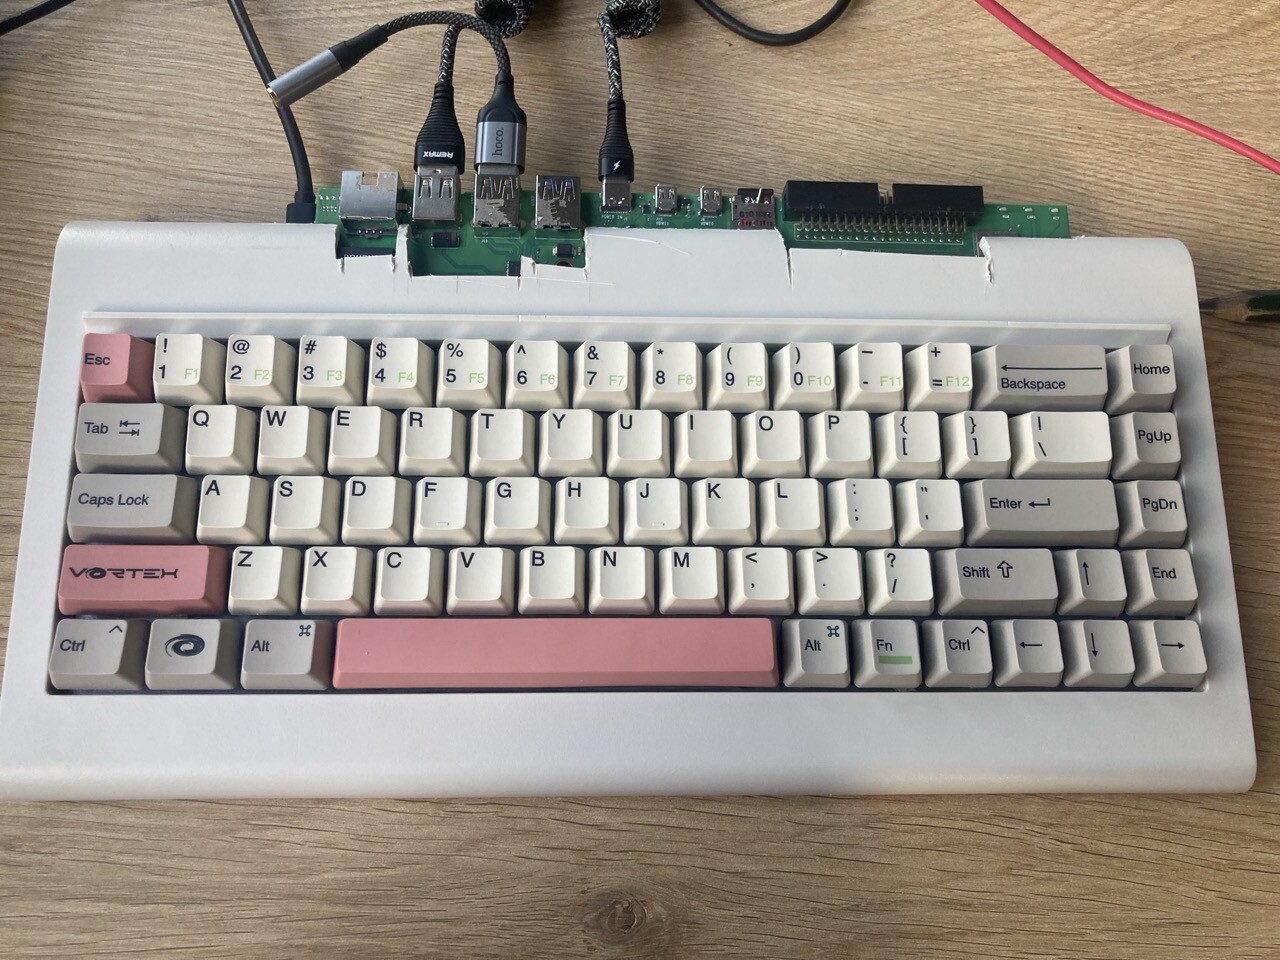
x,y
524,653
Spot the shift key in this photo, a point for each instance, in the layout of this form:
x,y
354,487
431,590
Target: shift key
x,y
1050,513
148,580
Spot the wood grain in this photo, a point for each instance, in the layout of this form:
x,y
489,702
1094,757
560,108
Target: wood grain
x,y
118,110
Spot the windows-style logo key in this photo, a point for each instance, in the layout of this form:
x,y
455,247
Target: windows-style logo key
x,y
184,645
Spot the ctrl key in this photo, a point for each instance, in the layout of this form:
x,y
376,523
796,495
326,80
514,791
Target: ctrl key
x,y
193,655
98,655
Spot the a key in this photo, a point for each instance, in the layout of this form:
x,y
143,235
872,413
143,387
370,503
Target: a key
x,y
829,582
871,377
233,509
98,654
772,444
586,510
655,512
759,581
1061,444
1019,378
899,582
840,445
690,580
469,375
432,442
1145,446
1059,513
995,582
265,581
791,513
549,652
401,371
908,445
860,513
193,655
1151,513
409,581
337,581
446,511
330,372
815,653
604,376
570,443
940,377
362,441
723,512
886,654
639,444
291,440
1090,583
671,377
187,368
537,375
1161,583
957,654
1142,378
517,511
129,438
131,508
976,445
1096,653
804,377
929,513
1026,653
116,368
706,444
260,371
620,580
501,443
1167,654
552,580
221,439
287,655
146,579
376,511
738,377
304,510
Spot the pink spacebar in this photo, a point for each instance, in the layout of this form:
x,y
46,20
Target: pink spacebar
x,y
382,654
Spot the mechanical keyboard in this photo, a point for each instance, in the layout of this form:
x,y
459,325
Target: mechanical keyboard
x,y
708,515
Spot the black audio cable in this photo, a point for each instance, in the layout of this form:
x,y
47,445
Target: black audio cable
x,y
31,15
303,207
768,37
629,19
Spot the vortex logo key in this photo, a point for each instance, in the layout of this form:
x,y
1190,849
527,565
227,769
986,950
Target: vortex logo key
x,y
184,645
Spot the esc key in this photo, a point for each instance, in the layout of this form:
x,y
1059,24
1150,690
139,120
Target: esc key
x,y
116,368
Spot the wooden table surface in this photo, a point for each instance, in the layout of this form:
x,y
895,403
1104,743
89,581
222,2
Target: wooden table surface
x,y
151,111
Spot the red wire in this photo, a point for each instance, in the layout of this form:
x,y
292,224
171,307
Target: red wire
x,y
1119,96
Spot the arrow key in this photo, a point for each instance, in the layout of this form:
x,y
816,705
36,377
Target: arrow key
x,y
1090,583
1096,653
1027,653
1168,653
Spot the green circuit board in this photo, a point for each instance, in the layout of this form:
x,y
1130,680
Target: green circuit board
x,y
459,249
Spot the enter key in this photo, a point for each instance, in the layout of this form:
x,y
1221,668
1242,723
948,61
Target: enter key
x,y
995,582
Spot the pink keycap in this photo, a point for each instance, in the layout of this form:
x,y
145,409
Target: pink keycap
x,y
116,368
143,579
389,653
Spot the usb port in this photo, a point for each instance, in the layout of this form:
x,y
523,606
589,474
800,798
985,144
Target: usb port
x,y
496,201
435,193
557,204
615,193
369,196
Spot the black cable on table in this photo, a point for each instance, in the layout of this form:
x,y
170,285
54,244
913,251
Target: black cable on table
x,y
9,24
769,38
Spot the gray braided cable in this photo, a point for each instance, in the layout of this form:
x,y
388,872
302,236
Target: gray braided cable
x,y
629,19
448,50
463,21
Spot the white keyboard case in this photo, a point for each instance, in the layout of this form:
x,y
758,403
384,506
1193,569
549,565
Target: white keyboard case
x,y
639,285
